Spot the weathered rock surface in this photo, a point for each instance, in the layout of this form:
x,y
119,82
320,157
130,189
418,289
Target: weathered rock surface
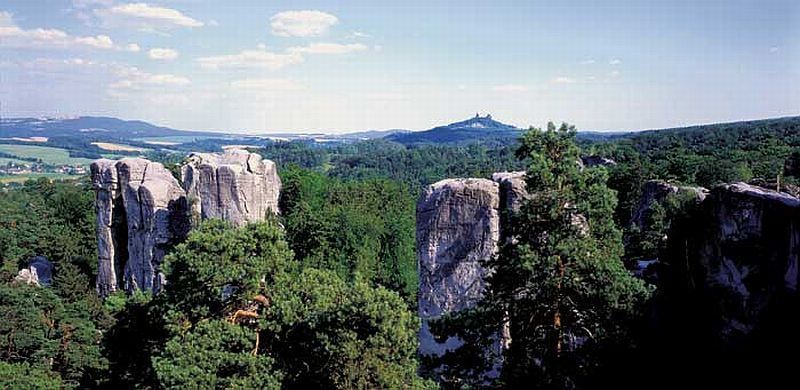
x,y
512,189
738,260
657,191
39,272
141,211
597,161
457,228
237,186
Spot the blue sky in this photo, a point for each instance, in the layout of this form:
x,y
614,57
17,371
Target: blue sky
x,y
269,66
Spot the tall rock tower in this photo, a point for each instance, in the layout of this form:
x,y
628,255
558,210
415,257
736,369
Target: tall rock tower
x,y
142,210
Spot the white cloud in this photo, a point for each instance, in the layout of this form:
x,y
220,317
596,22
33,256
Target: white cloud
x,y
328,48
301,23
587,62
145,17
133,48
260,58
100,41
91,3
12,35
564,80
266,85
614,61
6,19
509,88
359,34
773,49
134,79
162,54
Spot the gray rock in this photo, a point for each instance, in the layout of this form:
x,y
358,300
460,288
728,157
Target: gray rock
x,y
658,191
39,272
106,187
512,189
141,212
44,269
597,161
237,186
739,254
457,228
27,276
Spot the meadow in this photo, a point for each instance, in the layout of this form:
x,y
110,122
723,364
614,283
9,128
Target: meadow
x,y
48,155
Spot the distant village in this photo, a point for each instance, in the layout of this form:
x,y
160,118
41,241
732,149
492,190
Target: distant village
x,y
21,169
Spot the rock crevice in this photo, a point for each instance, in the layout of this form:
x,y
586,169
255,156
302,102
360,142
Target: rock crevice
x,y
142,210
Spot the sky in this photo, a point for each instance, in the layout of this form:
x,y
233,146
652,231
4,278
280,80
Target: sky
x,y
254,66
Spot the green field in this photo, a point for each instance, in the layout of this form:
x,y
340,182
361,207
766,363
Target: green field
x,y
179,139
24,178
4,161
47,154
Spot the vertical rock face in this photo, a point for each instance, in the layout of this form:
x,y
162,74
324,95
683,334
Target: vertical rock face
x,y
738,259
106,187
512,189
141,211
458,226
236,185
657,191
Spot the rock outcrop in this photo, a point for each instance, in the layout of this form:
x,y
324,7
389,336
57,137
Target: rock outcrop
x,y
237,185
512,189
39,272
737,259
657,191
458,226
141,211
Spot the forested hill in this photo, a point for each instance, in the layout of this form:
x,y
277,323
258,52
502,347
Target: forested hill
x,y
89,127
474,129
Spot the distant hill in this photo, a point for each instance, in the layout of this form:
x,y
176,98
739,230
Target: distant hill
x,y
478,128
90,127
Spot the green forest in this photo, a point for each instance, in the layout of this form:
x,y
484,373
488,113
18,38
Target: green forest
x,y
324,295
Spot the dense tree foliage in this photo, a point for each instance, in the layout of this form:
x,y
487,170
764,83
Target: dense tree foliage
x,y
328,301
413,165
241,312
55,220
362,230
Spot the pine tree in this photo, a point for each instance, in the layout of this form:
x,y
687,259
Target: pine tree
x,y
559,281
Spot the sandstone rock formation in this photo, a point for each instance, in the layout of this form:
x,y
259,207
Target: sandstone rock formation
x,y
737,259
595,161
512,189
236,185
39,272
457,227
141,211
657,191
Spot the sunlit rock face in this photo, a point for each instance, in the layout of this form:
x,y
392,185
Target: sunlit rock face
x,y
737,258
38,272
237,186
141,212
458,226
